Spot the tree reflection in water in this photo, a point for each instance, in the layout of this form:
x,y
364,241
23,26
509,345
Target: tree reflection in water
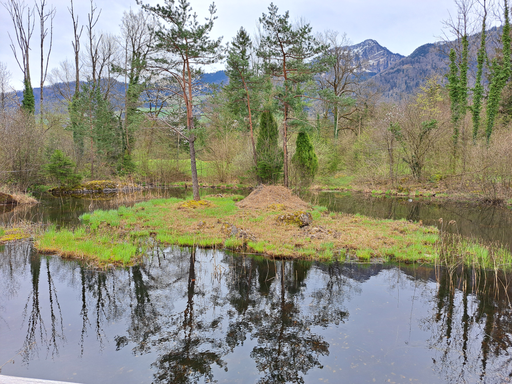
x,y
189,349
190,318
36,329
270,309
471,325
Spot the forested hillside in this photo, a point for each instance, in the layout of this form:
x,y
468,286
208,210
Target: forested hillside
x,y
292,106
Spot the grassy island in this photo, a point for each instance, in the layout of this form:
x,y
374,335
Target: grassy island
x,y
123,236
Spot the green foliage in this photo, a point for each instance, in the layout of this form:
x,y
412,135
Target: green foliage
x,y
458,88
305,159
125,165
453,86
478,90
28,104
186,45
61,168
500,70
132,102
270,157
287,51
244,84
92,117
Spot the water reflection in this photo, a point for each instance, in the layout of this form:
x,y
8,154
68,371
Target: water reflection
x,y
191,316
472,313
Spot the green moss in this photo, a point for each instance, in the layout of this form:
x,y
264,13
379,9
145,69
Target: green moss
x,y
300,218
276,207
13,234
194,204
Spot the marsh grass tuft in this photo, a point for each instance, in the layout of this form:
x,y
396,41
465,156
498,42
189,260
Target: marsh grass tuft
x,y
454,250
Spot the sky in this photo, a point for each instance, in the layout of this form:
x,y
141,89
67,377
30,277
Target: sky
x,y
399,25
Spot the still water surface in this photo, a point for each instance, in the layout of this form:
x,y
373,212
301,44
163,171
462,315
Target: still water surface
x,y
194,316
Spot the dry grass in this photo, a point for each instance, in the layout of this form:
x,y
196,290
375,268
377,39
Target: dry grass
x,y
22,198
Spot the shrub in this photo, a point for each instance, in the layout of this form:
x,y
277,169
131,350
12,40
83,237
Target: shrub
x,y
61,168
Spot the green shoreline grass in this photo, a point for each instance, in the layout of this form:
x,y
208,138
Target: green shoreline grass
x,y
122,236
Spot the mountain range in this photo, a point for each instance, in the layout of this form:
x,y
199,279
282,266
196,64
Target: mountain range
x,y
393,75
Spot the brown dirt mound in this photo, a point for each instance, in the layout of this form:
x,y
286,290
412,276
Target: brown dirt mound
x,y
266,195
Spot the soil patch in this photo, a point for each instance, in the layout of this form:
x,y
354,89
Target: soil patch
x,y
272,196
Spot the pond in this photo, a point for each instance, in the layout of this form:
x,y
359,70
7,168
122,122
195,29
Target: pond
x,y
199,316
194,316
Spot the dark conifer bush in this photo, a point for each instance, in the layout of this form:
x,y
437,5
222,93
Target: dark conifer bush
x,y
270,156
305,159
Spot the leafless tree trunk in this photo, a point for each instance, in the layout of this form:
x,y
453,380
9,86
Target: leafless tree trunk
x,y
77,34
23,28
94,42
44,17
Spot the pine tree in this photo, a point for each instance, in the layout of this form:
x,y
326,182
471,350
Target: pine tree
x,y
61,168
244,84
92,118
270,156
186,46
287,51
305,159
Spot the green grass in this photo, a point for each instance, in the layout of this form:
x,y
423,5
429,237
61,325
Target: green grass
x,y
77,244
335,182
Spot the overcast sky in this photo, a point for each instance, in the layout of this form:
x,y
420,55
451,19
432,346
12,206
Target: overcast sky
x,y
399,25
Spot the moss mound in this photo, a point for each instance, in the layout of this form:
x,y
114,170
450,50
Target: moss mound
x,y
194,204
300,218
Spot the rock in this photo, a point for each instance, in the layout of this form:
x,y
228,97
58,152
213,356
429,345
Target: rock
x,y
231,230
6,199
300,218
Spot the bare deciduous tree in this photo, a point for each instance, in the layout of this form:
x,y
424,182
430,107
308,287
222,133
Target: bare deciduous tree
x,y
343,78
23,19
77,34
94,42
7,95
45,16
62,80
